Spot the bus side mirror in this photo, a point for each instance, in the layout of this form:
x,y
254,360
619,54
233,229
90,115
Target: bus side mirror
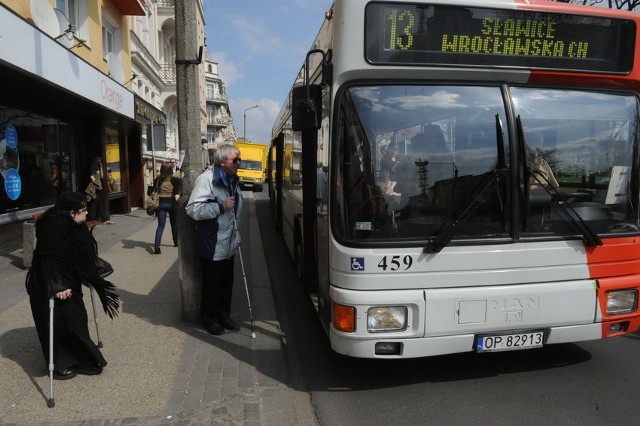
x,y
306,107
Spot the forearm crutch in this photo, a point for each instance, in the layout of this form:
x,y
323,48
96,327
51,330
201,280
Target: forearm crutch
x,y
95,316
244,277
51,403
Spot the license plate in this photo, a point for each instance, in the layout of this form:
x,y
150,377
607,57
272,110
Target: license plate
x,y
509,342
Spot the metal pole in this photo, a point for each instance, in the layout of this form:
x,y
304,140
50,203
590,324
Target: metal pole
x,y
244,126
153,153
51,403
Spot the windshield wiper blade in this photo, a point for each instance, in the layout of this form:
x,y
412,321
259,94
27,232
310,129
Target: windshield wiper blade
x,y
444,235
591,238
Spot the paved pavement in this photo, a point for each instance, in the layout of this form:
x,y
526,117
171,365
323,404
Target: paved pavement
x,y
162,370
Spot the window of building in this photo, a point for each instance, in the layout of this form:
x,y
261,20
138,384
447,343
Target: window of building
x,y
70,9
111,37
107,39
77,12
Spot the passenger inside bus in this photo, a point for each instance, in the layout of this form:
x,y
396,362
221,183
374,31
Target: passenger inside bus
x,y
541,173
389,160
387,187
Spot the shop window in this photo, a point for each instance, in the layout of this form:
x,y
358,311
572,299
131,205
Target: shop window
x,y
35,161
113,163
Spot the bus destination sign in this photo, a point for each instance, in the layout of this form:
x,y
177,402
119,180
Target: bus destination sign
x,y
468,36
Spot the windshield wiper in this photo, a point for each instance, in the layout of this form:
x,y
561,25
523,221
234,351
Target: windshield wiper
x,y
591,238
444,235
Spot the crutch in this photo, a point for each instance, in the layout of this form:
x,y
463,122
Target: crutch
x,y
95,316
91,290
51,403
244,277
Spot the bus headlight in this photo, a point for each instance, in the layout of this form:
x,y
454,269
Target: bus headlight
x,y
622,301
386,318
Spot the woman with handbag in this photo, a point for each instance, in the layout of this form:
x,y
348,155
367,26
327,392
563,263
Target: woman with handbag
x,y
65,258
168,188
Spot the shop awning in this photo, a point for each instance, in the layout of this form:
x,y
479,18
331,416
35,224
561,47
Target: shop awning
x,y
130,7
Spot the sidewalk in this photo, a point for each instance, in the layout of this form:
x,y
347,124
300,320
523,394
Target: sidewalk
x,y
161,369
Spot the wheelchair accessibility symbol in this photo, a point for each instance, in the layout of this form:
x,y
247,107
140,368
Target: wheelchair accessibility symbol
x,y
357,263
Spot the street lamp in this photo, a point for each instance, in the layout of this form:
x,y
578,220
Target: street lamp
x,y
245,121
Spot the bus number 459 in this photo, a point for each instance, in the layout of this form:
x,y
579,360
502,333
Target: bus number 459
x,y
394,263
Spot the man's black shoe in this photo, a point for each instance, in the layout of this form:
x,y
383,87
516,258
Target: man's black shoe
x,y
65,374
230,324
214,328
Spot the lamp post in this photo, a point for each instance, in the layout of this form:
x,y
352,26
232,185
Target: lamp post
x,y
245,121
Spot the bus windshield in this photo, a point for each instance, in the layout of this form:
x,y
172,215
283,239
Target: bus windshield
x,y
416,162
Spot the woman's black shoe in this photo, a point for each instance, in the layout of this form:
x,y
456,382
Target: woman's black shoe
x,y
214,328
156,249
230,324
65,374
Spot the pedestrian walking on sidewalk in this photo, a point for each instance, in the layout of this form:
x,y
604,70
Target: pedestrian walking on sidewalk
x,y
64,259
216,203
168,187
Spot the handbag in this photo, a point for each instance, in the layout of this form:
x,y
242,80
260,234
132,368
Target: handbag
x,y
90,191
104,268
153,201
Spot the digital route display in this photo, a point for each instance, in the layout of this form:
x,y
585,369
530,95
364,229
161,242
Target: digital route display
x,y
397,33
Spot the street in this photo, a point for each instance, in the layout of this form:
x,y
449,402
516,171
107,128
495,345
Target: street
x,y
587,384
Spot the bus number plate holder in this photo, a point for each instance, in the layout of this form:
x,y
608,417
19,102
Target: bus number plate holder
x,y
509,342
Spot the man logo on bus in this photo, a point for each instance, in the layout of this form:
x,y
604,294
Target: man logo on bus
x,y
357,263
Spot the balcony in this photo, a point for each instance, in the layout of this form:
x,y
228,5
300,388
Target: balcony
x,y
217,98
218,122
168,73
166,3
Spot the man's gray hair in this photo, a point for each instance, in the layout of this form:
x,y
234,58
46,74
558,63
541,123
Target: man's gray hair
x,y
224,152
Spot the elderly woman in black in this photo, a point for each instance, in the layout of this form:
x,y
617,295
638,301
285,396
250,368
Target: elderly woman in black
x,y
64,259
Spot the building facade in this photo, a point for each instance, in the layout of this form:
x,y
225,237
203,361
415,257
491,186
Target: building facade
x,y
64,100
220,128
93,78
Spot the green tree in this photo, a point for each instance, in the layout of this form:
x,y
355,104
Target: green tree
x,y
611,4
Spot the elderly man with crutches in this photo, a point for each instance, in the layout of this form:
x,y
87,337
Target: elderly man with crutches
x,y
216,204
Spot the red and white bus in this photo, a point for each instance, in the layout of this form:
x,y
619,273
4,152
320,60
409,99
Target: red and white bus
x,y
483,175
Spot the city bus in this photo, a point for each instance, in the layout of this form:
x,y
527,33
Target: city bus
x,y
483,190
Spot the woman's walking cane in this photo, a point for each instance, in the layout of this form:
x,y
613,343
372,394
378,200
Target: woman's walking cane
x,y
95,317
51,403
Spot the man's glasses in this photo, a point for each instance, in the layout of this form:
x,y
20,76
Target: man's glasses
x,y
237,160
